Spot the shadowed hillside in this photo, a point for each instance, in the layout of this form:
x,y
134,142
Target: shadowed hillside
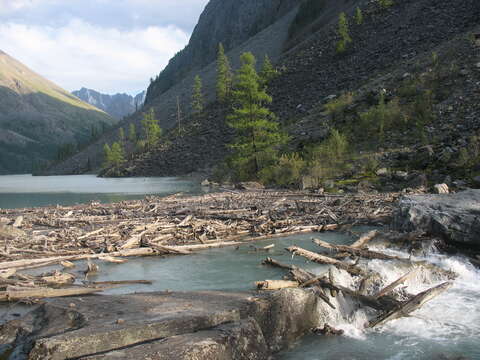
x,y
37,117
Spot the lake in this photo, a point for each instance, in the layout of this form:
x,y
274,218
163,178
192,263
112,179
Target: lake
x,y
20,191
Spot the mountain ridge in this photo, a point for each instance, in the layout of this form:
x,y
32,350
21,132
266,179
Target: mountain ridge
x,y
37,117
117,105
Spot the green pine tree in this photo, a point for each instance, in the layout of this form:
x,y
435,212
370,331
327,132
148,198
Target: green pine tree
x,y
107,155
343,32
132,133
151,128
121,135
224,75
384,4
358,16
197,96
117,155
268,72
257,132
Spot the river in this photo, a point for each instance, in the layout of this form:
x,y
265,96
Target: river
x,y
21,191
446,328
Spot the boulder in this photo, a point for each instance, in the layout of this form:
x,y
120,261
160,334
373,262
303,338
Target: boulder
x,y
382,172
453,217
164,325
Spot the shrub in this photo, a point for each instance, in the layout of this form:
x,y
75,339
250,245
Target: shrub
x,y
358,16
384,4
286,173
336,108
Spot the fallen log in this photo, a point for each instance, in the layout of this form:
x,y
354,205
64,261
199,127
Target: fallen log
x,y
119,282
410,305
275,263
42,293
364,239
276,284
389,288
368,254
320,259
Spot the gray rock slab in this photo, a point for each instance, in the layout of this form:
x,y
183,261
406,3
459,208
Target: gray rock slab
x,y
454,217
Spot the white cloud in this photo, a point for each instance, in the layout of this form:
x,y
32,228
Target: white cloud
x,y
77,54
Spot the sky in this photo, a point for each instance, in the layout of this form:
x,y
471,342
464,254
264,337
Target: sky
x,y
107,45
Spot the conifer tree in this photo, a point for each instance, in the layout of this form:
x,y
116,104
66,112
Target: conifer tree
x,y
268,72
151,128
257,132
107,155
358,16
121,135
132,133
117,156
197,96
343,32
224,75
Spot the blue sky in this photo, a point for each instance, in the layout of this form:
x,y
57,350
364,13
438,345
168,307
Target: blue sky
x,y
107,45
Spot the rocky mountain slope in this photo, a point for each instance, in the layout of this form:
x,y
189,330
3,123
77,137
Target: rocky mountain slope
x,y
37,116
230,22
118,105
391,51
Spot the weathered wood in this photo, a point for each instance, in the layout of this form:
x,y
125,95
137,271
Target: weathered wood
x,y
364,239
320,259
113,260
275,263
276,284
411,305
119,282
389,288
42,293
368,254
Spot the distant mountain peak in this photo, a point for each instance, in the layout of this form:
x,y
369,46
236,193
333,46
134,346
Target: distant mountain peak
x,y
118,105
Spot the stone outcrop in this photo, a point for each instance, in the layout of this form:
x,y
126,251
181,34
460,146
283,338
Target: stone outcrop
x,y
454,217
196,325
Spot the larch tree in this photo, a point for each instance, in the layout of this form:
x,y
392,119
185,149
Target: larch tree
x,y
224,75
151,128
257,133
197,96
268,72
344,34
132,133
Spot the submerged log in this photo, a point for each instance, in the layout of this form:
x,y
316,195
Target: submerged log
x,y
352,269
410,305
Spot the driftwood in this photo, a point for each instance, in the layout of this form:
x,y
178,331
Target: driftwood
x,y
389,288
275,284
411,305
352,269
42,293
368,254
364,239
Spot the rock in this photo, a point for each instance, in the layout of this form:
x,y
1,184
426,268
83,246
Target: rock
x,y
476,181
400,175
383,172
205,183
441,189
453,217
165,325
418,180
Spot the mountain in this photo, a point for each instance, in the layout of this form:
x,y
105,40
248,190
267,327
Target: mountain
x,y
391,51
118,105
37,117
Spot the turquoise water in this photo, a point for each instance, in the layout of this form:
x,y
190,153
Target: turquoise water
x,y
20,191
446,328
